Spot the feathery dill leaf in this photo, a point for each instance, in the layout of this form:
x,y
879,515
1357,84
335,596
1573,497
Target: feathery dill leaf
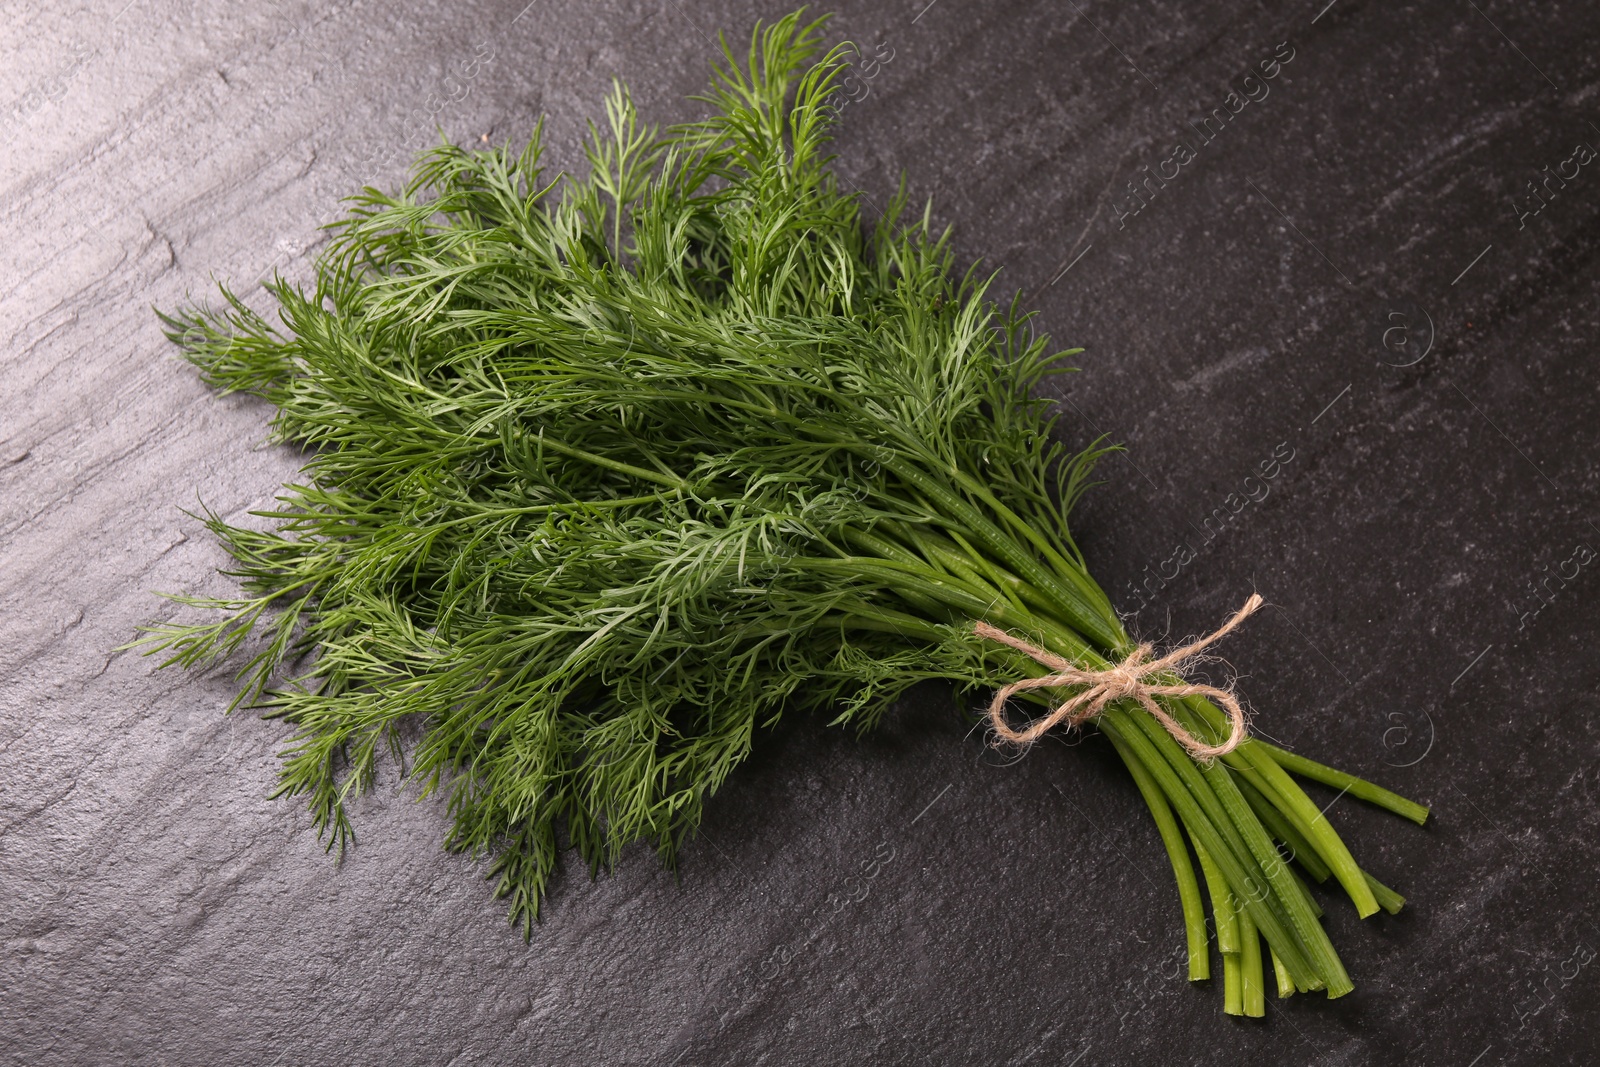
x,y
590,462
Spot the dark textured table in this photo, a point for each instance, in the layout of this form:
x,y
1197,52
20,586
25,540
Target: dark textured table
x,y
1373,270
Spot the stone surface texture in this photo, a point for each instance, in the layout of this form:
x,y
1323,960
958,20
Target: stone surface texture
x,y
1352,272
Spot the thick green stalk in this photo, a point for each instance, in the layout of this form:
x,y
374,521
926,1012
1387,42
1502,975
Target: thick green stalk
x,y
1285,983
1278,825
1084,587
1252,979
1359,788
1238,819
861,540
1084,616
1223,913
1226,918
1304,922
1190,798
1388,899
1293,802
1232,983
1305,894
1255,889
1194,917
1269,891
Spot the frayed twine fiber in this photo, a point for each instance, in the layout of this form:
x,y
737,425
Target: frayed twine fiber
x,y
1126,679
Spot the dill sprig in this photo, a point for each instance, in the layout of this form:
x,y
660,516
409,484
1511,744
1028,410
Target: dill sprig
x,y
608,472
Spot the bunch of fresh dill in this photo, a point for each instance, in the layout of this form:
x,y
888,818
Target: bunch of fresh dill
x,y
607,473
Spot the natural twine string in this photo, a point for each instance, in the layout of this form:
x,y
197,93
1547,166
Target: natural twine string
x,y
1126,679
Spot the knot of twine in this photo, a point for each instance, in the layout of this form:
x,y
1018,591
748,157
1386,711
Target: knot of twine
x,y
1125,679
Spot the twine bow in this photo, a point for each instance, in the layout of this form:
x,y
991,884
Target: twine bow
x,y
1125,679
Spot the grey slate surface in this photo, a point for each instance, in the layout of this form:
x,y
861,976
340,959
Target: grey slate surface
x,y
1351,272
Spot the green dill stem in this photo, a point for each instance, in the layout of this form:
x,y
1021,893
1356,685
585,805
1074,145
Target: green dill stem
x,y
951,549
1356,787
1189,796
1279,803
1252,981
1194,916
1268,886
1254,887
974,601
1311,822
973,567
919,582
606,462
1285,983
1285,894
1088,594
1279,826
862,616
1232,984
1223,913
545,509
1269,892
1305,894
1080,614
1388,899
875,546
1277,891
1303,920
1293,802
